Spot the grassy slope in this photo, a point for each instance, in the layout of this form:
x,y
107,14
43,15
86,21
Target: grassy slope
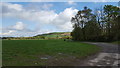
x,y
55,34
116,42
28,52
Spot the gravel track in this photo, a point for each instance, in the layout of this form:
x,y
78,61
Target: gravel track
x,y
108,56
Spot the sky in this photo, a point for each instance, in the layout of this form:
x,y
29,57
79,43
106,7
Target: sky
x,y
24,19
59,0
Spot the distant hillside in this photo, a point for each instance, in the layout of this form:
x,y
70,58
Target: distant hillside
x,y
55,34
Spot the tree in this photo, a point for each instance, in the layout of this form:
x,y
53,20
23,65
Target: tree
x,y
77,33
111,14
79,22
99,13
115,30
103,25
92,30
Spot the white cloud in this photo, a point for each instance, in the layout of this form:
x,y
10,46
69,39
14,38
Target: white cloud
x,y
56,0
101,1
40,17
71,2
14,7
104,0
9,32
63,19
47,6
42,0
19,26
38,6
44,16
18,29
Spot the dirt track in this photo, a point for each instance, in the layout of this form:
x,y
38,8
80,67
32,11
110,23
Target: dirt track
x,y
108,56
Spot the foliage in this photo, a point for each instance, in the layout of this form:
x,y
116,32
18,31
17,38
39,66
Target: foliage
x,y
99,26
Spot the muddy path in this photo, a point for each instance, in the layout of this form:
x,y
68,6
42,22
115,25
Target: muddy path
x,y
108,56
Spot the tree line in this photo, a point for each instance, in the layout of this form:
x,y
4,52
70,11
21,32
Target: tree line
x,y
101,25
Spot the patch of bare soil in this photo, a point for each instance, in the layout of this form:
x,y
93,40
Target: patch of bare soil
x,y
109,56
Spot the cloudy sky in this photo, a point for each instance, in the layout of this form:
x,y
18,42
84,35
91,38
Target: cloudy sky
x,y
32,18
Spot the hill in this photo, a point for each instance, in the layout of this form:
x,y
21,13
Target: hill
x,y
55,35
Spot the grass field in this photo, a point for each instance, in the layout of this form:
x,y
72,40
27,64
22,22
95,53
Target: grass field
x,y
116,42
54,36
44,52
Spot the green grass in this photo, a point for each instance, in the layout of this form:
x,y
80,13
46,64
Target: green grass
x,y
28,52
116,42
54,35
